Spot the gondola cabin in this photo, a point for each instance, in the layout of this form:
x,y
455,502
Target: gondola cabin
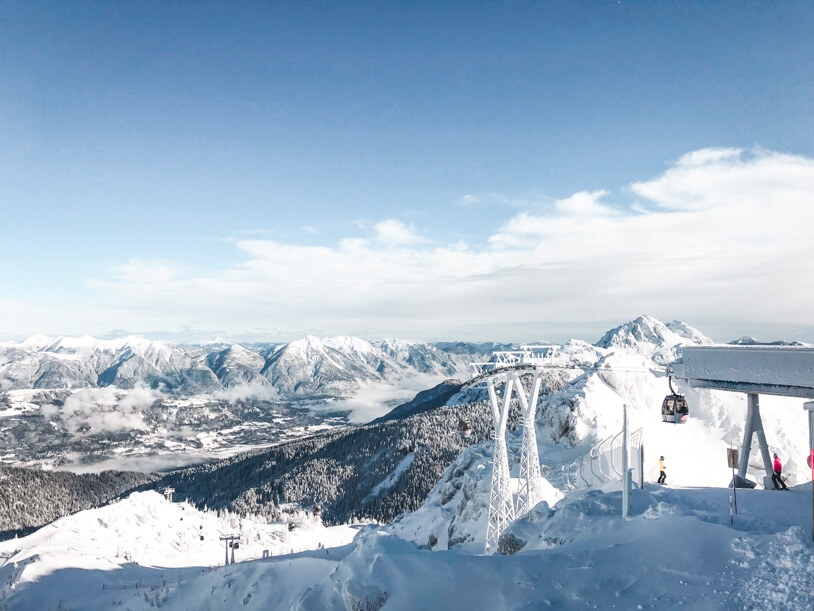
x,y
674,409
464,428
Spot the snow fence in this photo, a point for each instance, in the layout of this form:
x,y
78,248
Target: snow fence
x,y
603,464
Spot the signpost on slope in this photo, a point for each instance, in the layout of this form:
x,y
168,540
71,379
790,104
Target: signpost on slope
x,y
732,461
625,465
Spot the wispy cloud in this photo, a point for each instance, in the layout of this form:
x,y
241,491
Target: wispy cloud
x,y
491,198
395,233
721,234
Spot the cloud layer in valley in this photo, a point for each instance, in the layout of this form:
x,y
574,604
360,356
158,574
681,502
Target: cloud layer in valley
x,y
721,235
103,410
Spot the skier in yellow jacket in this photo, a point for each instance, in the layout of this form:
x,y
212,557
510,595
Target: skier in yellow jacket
x,y
662,472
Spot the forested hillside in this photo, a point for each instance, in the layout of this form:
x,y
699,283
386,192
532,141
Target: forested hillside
x,y
30,498
375,471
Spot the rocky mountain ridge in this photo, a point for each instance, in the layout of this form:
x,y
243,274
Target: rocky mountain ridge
x,y
308,367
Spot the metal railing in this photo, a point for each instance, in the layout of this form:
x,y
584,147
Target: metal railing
x,y
603,464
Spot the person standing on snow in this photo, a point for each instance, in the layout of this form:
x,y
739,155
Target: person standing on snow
x,y
662,473
778,469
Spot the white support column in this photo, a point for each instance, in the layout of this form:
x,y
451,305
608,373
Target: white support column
x,y
809,407
754,424
746,447
764,447
501,503
529,494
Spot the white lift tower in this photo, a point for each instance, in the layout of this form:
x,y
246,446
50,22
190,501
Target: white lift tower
x,y
506,369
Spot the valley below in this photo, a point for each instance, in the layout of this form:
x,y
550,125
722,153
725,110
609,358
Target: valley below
x,y
169,433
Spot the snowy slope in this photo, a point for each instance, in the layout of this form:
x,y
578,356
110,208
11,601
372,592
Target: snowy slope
x,y
147,530
581,554
625,368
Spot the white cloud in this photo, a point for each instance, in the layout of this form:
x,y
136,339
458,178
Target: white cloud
x,y
468,199
395,233
490,198
721,235
244,392
103,410
154,273
375,399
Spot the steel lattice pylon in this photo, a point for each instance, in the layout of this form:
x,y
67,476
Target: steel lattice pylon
x,y
501,504
506,367
529,494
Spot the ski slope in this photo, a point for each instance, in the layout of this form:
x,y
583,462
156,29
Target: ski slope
x,y
144,533
677,549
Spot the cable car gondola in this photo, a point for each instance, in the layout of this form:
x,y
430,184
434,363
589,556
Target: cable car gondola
x,y
464,428
674,408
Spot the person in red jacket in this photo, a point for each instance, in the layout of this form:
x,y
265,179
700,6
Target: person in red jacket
x,y
776,479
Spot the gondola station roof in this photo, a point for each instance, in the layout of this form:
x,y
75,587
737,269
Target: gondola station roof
x,y
769,370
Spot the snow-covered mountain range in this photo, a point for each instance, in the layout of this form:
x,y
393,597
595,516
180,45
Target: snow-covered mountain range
x,y
132,403
311,366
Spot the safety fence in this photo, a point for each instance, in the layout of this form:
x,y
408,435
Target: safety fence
x,y
603,464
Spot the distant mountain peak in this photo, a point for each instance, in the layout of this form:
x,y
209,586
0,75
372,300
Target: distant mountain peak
x,y
747,340
647,335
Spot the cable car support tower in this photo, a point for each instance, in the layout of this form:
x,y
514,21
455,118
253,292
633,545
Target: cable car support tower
x,y
506,369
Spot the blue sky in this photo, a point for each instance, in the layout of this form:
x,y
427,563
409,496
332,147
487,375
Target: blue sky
x,y
150,151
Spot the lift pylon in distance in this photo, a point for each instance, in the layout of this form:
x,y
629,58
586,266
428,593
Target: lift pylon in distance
x,y
501,503
529,493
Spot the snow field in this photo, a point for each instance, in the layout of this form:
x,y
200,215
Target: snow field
x,y
147,530
677,549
